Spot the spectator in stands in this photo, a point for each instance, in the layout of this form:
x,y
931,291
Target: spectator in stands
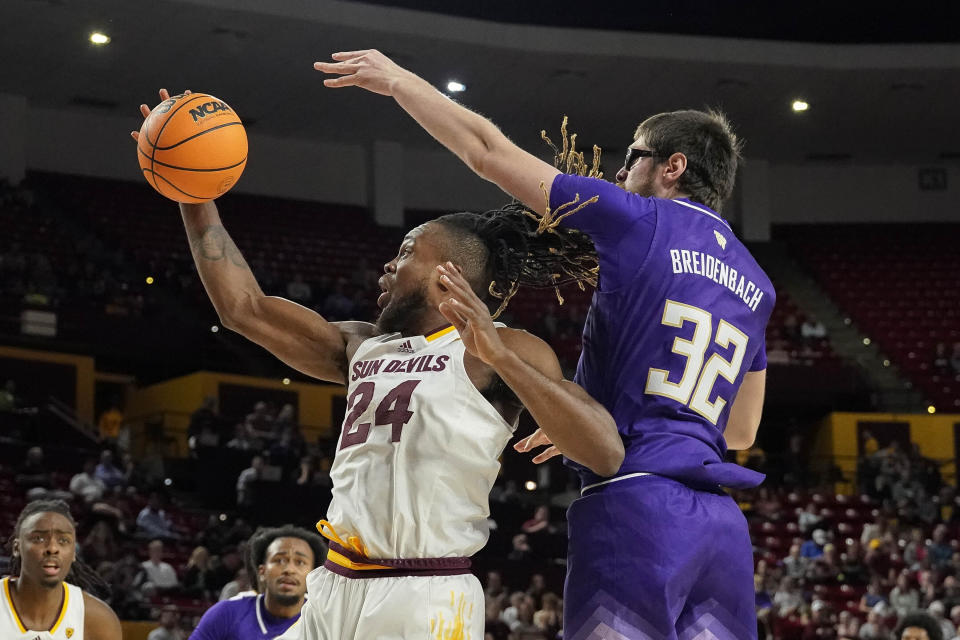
x,y
919,626
169,628
915,553
821,623
260,422
152,521
524,627
955,617
874,628
86,485
109,423
826,568
939,550
100,544
848,626
204,429
788,599
538,586
299,291
510,614
904,598
494,588
197,578
873,596
795,565
539,522
521,548
812,329
852,563
938,612
247,477
494,627
809,519
34,478
156,576
108,472
813,548
874,531
239,584
549,618
242,440
225,569
8,396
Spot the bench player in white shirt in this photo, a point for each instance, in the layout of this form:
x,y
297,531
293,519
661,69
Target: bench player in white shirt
x,y
46,598
435,389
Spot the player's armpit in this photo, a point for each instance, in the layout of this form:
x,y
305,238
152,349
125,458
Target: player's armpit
x,y
746,412
577,425
100,622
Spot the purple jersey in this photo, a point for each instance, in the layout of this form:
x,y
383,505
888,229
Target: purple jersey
x,y
677,320
243,617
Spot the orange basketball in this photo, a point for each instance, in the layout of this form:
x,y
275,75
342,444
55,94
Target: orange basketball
x,y
192,148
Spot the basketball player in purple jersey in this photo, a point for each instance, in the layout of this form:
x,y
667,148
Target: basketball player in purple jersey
x,y
673,348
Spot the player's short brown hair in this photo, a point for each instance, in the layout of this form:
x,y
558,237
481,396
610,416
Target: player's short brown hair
x,y
708,142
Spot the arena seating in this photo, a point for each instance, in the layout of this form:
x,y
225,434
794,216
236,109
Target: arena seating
x,y
900,284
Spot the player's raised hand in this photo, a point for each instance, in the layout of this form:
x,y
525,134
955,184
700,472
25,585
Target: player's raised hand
x,y
471,317
368,69
537,439
145,110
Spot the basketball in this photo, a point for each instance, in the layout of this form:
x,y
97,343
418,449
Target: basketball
x,y
192,148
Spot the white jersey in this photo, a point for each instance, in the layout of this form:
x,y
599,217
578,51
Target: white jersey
x,y
68,625
419,450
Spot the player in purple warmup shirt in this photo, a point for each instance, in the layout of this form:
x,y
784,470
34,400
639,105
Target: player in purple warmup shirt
x,y
673,347
279,561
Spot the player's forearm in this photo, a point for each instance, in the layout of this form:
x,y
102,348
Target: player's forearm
x,y
468,135
576,424
226,276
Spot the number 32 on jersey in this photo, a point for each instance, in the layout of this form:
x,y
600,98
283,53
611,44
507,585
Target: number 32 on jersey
x,y
696,382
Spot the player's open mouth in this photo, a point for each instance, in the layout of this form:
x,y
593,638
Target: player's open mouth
x,y
288,583
51,569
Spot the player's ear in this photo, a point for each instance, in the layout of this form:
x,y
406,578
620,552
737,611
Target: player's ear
x,y
674,167
16,547
261,570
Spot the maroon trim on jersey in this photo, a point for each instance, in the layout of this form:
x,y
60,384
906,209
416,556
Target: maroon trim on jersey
x,y
399,567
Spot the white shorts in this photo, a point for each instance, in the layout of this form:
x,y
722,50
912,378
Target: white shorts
x,y
390,608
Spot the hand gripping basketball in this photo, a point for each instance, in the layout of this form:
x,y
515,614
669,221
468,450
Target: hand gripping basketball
x,y
192,147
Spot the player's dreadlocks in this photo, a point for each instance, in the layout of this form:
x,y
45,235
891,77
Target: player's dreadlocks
x,y
521,248
264,537
80,574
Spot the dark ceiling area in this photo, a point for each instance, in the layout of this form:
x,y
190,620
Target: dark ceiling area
x,y
813,21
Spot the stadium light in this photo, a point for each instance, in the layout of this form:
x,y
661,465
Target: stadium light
x,y
931,409
214,329
286,381
800,105
866,342
456,87
149,279
99,39
530,485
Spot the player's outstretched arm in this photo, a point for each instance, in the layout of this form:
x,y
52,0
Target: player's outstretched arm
x,y
473,138
100,622
577,425
296,335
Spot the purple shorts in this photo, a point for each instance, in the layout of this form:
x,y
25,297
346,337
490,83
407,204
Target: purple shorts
x,y
652,559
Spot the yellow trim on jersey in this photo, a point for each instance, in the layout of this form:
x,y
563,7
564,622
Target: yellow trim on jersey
x,y
63,611
353,543
344,561
441,333
13,609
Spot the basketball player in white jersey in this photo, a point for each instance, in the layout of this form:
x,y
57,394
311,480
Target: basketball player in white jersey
x,y
435,389
43,601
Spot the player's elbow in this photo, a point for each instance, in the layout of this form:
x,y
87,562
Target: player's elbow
x,y
240,314
741,436
609,456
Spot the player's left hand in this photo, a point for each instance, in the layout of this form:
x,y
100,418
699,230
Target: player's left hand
x,y
471,317
538,439
368,69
